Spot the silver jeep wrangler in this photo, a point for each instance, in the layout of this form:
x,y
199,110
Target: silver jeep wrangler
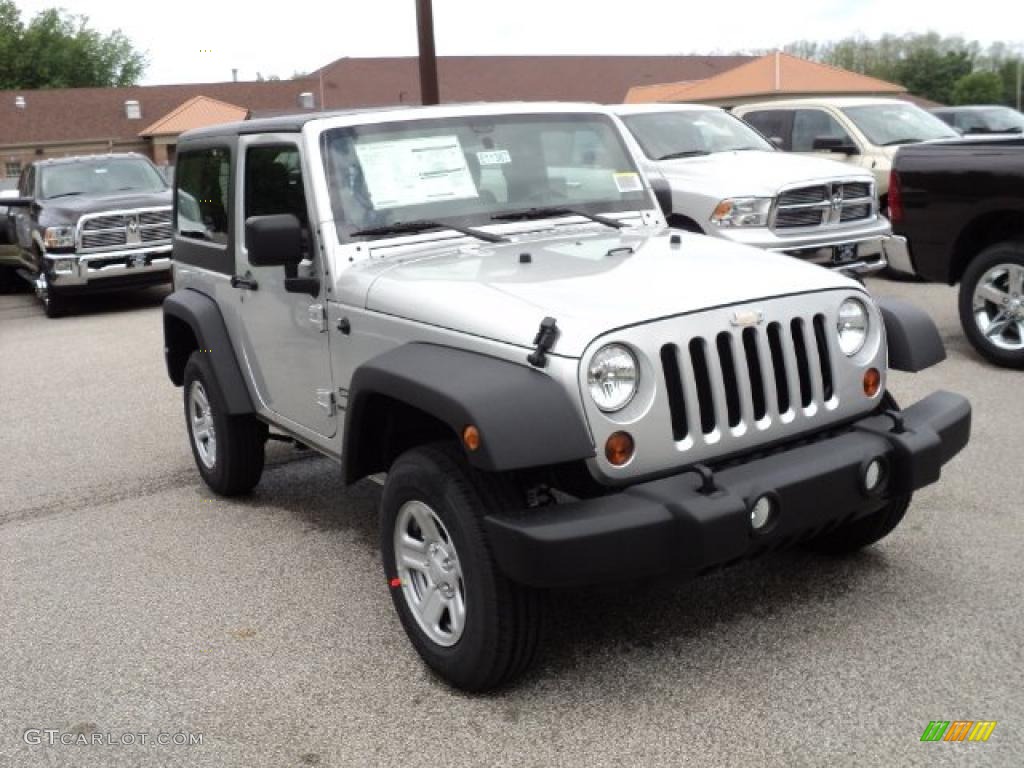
x,y
484,305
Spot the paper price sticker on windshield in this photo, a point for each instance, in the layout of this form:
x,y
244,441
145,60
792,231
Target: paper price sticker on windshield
x,y
415,171
494,157
628,182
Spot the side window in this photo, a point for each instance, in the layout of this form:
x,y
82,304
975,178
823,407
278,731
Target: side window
x,y
25,183
811,124
202,195
273,182
772,123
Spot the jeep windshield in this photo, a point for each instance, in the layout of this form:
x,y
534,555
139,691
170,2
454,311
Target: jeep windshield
x,y
889,125
104,176
677,134
475,170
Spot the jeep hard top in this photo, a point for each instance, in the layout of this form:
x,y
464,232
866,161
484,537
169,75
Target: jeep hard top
x,y
484,305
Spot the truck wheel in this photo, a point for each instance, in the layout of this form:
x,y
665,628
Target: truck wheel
x,y
992,303
470,624
228,449
54,305
864,531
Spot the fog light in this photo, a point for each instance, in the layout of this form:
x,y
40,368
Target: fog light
x,y
874,475
64,266
762,513
872,382
618,449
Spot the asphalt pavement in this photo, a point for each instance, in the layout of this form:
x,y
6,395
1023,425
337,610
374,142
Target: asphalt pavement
x,y
133,602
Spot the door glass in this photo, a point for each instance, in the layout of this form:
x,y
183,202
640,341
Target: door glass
x,y
202,190
771,123
811,124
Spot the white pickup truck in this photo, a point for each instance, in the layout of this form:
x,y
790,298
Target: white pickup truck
x,y
728,181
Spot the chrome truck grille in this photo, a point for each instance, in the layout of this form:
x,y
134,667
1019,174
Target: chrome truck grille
x,y
729,380
823,205
124,229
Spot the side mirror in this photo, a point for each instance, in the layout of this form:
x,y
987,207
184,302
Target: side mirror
x,y
274,241
663,194
777,142
17,202
830,144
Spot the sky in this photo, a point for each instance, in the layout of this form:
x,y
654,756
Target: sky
x,y
192,41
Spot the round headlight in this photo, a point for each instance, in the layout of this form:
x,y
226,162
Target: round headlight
x,y
852,326
612,377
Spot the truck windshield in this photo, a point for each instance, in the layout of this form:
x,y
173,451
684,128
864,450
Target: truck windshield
x,y
669,135
999,120
888,125
471,170
103,176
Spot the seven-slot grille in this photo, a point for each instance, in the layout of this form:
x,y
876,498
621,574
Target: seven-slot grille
x,y
130,228
731,382
824,204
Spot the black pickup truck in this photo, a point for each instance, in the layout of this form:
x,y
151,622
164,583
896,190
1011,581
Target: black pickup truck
x,y
961,207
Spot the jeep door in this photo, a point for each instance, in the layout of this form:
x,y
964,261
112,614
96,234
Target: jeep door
x,y
283,333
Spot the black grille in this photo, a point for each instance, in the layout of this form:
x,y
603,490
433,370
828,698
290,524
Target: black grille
x,y
154,217
151,233
798,217
855,212
856,189
803,196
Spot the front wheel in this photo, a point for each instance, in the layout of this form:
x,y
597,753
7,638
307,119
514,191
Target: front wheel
x,y
54,304
470,624
992,303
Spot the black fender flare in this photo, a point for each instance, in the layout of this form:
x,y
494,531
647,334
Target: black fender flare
x,y
913,339
525,417
201,313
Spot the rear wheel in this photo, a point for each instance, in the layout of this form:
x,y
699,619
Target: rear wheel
x,y
470,624
992,303
228,449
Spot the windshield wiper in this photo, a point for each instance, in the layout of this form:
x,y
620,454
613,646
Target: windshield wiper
x,y
411,227
908,140
63,194
686,153
543,213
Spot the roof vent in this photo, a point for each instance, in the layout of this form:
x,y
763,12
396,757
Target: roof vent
x,y
132,110
19,102
306,101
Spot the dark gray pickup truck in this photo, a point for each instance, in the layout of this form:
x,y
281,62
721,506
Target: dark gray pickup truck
x,y
90,224
961,207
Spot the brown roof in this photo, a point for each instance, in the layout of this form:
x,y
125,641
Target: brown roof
x,y
197,112
606,79
771,74
90,114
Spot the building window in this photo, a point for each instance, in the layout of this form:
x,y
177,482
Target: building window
x,y
12,169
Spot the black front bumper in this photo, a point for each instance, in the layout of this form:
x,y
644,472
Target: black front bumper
x,y
673,525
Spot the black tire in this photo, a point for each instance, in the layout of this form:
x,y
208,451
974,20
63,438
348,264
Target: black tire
x,y
503,620
54,304
9,280
1009,252
235,463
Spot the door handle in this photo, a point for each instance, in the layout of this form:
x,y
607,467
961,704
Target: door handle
x,y
247,283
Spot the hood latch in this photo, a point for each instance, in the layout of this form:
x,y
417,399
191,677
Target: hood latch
x,y
545,339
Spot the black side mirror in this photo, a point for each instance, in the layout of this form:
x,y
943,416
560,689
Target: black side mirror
x,y
17,202
663,194
830,144
274,241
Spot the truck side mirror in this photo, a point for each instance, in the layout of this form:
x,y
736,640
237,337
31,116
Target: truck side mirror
x,y
274,241
833,144
663,194
17,202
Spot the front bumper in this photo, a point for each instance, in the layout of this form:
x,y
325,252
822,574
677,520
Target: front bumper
x,y
671,525
109,269
868,244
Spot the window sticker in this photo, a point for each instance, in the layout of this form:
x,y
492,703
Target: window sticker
x,y
494,157
415,171
628,182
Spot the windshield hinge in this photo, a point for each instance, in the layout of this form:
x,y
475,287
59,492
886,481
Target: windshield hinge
x,y
545,339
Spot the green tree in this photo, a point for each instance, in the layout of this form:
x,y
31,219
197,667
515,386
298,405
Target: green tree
x,y
932,74
59,50
978,88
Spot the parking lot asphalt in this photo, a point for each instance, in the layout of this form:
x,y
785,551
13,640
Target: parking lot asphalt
x,y
134,601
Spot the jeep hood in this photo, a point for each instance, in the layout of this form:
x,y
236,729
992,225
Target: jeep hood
x,y
751,173
591,283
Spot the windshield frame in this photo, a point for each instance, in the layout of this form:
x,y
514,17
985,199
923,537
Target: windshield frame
x,y
409,120
629,117
853,112
102,160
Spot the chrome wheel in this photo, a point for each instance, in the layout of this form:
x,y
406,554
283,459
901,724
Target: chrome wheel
x,y
201,417
430,573
998,306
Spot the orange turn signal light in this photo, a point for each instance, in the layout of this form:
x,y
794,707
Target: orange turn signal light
x,y
872,382
619,448
471,438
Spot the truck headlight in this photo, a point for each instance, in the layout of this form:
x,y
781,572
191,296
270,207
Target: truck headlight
x,y
852,326
59,237
612,377
742,212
